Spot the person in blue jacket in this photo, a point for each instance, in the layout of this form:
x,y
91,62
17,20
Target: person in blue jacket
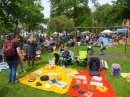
x,y
65,56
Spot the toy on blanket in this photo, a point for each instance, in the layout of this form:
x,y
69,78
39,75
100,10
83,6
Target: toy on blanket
x,y
61,84
50,67
97,79
102,88
91,88
88,94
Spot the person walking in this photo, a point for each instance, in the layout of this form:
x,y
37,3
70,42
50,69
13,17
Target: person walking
x,y
14,57
32,44
101,48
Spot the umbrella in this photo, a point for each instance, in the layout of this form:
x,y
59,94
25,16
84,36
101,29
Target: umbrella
x,y
104,40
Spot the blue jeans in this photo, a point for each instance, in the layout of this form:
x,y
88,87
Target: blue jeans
x,y
63,61
101,50
12,70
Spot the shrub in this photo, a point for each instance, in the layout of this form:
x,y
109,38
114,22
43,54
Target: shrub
x,y
2,41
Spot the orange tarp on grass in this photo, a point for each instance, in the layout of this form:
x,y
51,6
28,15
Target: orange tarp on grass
x,y
96,93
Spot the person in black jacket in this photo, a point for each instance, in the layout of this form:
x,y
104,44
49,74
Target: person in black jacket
x,y
65,56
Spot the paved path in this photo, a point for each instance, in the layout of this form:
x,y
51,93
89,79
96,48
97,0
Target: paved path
x,y
109,56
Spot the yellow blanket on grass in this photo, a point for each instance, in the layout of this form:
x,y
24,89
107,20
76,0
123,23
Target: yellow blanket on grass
x,y
64,74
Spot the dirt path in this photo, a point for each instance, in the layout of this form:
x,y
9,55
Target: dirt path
x,y
109,56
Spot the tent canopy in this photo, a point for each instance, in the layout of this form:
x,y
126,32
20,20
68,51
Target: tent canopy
x,y
121,31
107,31
85,32
55,33
104,40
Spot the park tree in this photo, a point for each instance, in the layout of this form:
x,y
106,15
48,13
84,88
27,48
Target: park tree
x,y
104,17
121,9
60,24
27,12
77,10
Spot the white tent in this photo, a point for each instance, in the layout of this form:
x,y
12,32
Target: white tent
x,y
55,33
107,31
85,32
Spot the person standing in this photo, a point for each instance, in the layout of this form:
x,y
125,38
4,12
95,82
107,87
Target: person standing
x,y
101,48
32,44
21,42
14,59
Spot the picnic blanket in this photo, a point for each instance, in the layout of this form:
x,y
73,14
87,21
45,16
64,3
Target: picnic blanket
x,y
108,93
3,66
61,75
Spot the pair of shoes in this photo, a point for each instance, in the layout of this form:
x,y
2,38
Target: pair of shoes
x,y
61,66
100,53
32,65
15,82
23,71
29,65
9,81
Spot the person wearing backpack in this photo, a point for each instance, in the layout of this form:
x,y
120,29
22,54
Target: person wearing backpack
x,y
12,54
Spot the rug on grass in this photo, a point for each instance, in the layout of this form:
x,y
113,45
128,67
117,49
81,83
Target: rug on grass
x,y
86,90
3,66
59,79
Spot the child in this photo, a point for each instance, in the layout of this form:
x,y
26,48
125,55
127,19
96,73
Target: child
x,y
65,56
101,48
89,48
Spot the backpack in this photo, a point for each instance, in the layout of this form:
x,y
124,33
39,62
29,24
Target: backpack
x,y
9,49
115,69
103,64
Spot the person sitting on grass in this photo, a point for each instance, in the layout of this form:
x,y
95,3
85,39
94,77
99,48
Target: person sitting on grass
x,y
65,56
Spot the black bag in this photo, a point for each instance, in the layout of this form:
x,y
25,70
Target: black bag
x,y
44,78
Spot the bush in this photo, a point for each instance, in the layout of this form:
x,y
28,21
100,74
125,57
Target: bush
x,y
2,41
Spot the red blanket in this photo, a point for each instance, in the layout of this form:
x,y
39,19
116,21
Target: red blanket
x,y
96,93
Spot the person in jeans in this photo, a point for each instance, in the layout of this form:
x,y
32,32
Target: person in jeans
x,y
101,48
32,45
13,60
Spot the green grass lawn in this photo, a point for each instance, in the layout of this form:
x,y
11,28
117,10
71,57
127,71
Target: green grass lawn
x,y
120,85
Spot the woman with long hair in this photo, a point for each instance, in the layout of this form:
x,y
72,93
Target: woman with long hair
x,y
32,44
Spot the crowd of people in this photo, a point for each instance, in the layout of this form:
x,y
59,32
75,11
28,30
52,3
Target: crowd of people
x,y
58,45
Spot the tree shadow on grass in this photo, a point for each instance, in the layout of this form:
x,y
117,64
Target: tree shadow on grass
x,y
4,91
